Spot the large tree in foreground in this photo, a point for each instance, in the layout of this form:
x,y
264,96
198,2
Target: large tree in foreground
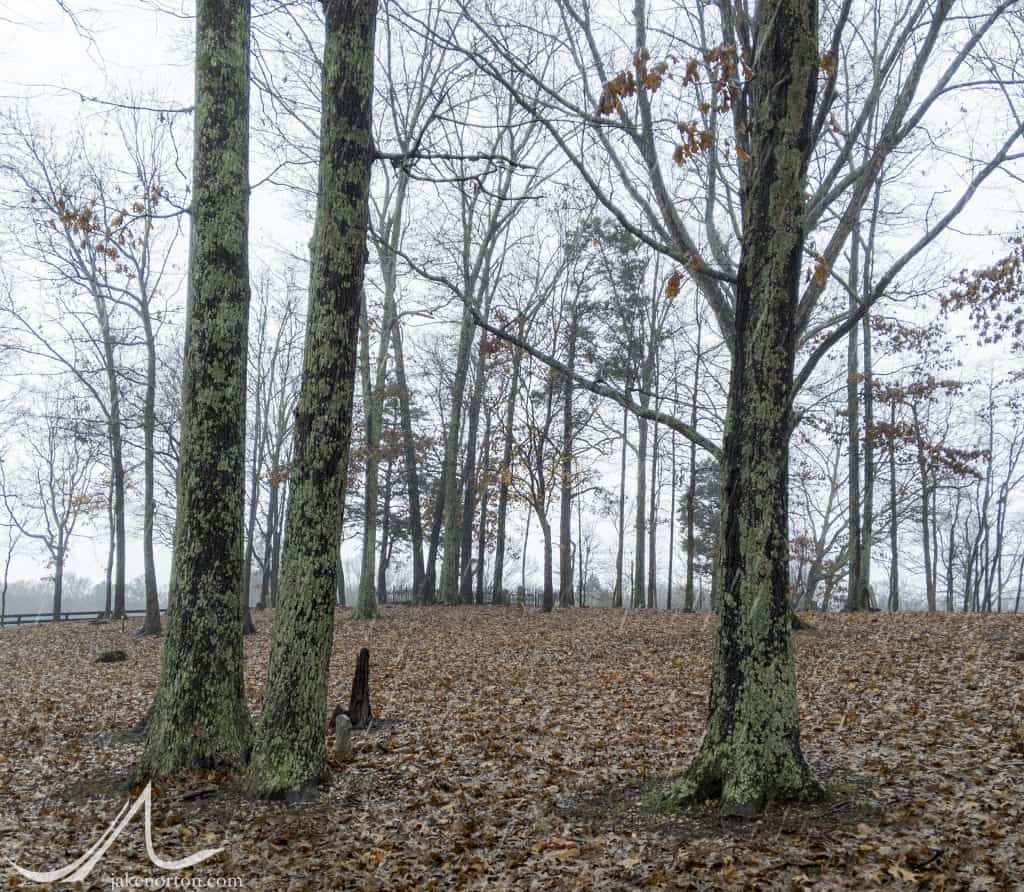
x,y
751,748
290,751
199,717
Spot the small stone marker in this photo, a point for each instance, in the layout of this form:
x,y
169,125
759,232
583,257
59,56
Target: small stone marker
x,y
342,736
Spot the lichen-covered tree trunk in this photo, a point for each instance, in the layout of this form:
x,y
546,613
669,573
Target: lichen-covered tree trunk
x,y
751,752
290,750
199,717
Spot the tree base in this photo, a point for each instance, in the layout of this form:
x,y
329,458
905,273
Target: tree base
x,y
363,611
173,743
744,779
278,773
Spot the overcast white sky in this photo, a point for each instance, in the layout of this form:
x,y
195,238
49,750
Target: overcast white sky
x,y
130,47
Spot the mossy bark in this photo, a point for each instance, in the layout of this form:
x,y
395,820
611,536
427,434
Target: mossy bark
x,y
751,751
199,717
290,752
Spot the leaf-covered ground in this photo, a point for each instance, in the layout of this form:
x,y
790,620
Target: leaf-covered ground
x,y
514,750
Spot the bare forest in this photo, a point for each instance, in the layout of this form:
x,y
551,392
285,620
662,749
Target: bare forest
x,y
635,388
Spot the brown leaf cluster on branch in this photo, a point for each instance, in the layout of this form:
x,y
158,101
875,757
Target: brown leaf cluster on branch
x,y
993,297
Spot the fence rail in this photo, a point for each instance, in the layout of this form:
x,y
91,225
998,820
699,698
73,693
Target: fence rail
x,y
71,616
530,598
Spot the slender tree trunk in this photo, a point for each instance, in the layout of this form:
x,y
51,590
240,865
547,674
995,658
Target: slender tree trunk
x,y
652,554
750,753
621,545
481,536
855,591
199,717
867,527
691,482
411,464
926,539
640,542
268,544
429,590
385,539
549,563
566,483
366,600
58,577
526,542
339,582
248,626
116,443
894,538
469,478
151,624
672,509
277,549
497,592
452,506
108,573
290,749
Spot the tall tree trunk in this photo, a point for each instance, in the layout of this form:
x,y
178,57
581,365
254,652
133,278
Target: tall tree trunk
x,y
926,538
151,624
452,505
116,443
855,599
497,595
481,534
548,602
691,481
366,599
108,571
652,537
672,509
867,526
409,452
385,538
621,545
566,483
750,753
428,592
290,749
199,717
248,626
469,475
894,554
638,598
58,577
268,544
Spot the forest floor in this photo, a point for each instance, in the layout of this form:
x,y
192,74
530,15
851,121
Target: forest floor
x,y
513,750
